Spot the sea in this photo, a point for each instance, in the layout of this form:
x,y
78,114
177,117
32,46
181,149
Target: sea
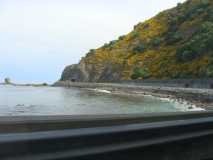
x,y
28,100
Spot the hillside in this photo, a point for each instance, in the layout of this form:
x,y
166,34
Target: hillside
x,y
176,43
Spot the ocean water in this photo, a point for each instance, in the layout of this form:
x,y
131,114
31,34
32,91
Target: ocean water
x,y
15,101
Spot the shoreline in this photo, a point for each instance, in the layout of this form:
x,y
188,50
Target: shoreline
x,y
25,85
193,97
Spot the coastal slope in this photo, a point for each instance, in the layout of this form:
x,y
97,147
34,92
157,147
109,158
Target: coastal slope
x,y
176,43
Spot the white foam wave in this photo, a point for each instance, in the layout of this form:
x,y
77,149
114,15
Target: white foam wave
x,y
179,104
102,91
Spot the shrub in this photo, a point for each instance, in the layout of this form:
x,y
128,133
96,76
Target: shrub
x,y
186,12
179,5
110,44
121,37
105,45
199,43
209,16
140,47
44,84
209,71
91,52
177,37
134,76
155,42
7,81
140,73
184,55
135,35
137,25
172,38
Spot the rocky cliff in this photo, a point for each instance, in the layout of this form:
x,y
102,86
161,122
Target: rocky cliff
x,y
176,43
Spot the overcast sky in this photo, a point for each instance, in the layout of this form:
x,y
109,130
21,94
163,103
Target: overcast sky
x,y
38,38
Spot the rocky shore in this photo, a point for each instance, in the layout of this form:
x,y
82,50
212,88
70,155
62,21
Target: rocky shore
x,y
27,85
194,97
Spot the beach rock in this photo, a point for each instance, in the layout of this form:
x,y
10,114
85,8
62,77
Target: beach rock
x,y
73,73
84,72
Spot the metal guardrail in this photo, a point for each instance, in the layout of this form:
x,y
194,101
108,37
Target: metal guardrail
x,y
126,137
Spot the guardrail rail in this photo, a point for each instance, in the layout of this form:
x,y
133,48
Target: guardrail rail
x,y
176,136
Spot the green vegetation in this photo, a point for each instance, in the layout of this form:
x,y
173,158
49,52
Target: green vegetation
x,y
44,84
140,47
134,35
121,37
7,81
187,11
110,44
140,73
91,52
155,42
199,44
176,43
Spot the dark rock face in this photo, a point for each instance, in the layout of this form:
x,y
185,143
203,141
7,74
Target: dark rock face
x,y
83,72
72,73
109,75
